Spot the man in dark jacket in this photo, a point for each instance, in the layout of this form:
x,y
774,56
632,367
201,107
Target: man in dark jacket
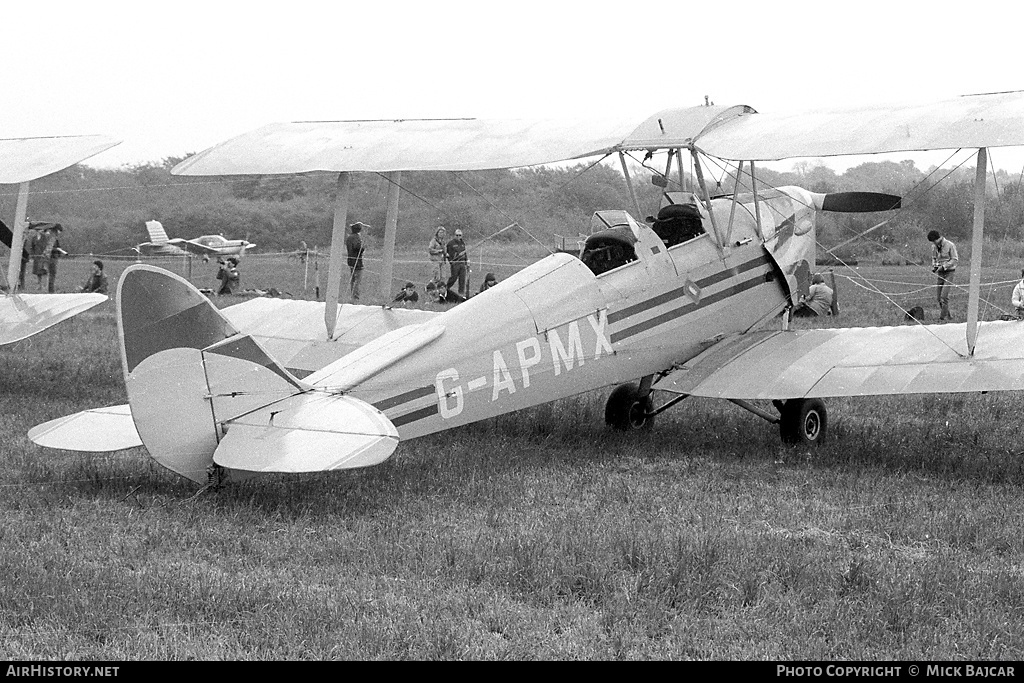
x,y
354,248
455,251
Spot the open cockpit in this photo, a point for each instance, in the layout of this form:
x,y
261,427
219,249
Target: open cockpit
x,y
612,241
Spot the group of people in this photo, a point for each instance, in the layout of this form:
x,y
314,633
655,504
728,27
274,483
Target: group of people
x,y
42,249
441,251
439,292
452,251
945,260
820,298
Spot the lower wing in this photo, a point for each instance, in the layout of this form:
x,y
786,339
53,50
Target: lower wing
x,y
23,315
864,361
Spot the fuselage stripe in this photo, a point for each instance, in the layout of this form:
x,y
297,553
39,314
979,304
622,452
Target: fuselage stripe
x,y
389,403
415,415
683,291
686,308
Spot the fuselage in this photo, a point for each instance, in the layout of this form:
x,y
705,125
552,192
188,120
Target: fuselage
x,y
557,329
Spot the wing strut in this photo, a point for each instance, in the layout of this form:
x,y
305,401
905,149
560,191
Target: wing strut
x,y
17,238
387,268
977,236
707,199
629,184
337,262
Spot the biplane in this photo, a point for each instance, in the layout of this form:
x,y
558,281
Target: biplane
x,y
696,303
160,244
23,160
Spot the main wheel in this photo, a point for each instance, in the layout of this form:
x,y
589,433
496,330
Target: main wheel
x,y
803,421
626,410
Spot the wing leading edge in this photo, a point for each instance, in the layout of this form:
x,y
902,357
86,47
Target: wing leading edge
x,y
970,121
444,144
25,159
859,361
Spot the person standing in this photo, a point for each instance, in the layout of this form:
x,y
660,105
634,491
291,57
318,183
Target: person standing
x,y
97,281
435,250
355,249
55,253
944,262
39,248
458,260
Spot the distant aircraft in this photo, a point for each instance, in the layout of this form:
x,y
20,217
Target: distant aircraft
x,y
23,160
206,246
685,306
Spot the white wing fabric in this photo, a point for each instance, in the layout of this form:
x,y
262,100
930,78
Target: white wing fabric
x,y
858,361
989,120
25,159
95,430
441,144
23,315
310,432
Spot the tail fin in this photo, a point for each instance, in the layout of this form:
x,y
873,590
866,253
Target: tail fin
x,y
156,231
192,378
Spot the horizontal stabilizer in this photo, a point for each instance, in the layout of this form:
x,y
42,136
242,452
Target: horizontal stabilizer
x,y
308,432
23,315
96,430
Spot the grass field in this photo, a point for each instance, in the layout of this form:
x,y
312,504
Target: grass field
x,y
537,535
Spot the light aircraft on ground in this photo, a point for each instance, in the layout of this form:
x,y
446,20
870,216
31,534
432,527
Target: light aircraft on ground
x,y
23,160
206,246
687,306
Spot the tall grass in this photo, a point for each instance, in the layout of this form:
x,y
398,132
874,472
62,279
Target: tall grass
x,y
535,535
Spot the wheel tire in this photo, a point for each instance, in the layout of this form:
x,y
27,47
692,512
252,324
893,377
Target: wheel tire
x,y
803,421
625,409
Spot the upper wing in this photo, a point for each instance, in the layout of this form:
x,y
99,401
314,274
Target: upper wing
x,y
25,159
989,120
858,361
441,144
23,315
739,132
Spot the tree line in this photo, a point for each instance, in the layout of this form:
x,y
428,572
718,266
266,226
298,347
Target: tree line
x,y
104,210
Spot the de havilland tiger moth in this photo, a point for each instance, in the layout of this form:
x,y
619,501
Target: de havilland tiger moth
x,y
689,305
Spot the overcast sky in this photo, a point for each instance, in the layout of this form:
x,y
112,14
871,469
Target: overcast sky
x,y
176,77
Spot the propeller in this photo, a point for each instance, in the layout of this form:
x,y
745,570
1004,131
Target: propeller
x,y
860,202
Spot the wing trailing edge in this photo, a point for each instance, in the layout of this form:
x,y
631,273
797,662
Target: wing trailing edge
x,y
866,361
23,315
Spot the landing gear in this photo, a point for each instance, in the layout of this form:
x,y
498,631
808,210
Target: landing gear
x,y
628,408
802,421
